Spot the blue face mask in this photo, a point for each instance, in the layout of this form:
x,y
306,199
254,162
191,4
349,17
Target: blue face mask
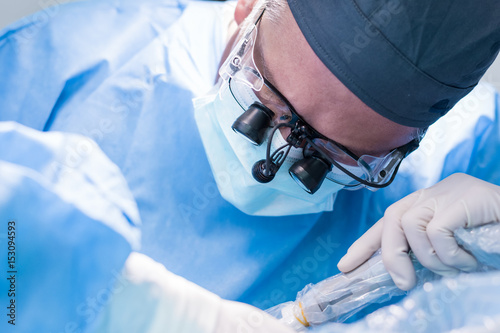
x,y
232,157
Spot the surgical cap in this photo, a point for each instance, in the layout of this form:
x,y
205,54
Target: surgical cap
x,y
408,60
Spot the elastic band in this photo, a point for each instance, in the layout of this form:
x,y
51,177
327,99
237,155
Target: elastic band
x,y
305,322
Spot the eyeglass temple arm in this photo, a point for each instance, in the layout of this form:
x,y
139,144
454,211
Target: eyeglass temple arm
x,y
350,174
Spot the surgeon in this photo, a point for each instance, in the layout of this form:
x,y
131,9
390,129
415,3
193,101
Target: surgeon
x,y
425,220
245,191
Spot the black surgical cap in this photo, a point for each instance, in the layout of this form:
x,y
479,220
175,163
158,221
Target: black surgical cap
x,y
408,60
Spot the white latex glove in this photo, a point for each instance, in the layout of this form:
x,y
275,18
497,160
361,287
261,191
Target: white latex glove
x,y
424,222
147,298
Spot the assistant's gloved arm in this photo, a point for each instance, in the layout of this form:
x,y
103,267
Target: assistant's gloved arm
x,y
424,222
149,299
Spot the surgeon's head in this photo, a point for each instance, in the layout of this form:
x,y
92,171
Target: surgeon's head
x,y
362,79
287,60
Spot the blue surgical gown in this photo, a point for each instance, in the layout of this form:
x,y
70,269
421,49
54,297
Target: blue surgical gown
x,y
68,223
124,73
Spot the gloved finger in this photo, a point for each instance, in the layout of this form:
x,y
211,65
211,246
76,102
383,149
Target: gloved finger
x,y
395,256
415,226
395,246
441,235
362,249
480,199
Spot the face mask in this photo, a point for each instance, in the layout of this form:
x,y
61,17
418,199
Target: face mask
x,y
231,158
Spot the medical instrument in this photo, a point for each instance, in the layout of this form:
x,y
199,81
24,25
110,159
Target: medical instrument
x,y
339,297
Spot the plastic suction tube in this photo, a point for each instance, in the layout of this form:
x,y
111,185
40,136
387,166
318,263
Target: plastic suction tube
x,y
343,295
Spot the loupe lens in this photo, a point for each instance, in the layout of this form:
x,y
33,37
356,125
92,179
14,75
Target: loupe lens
x,y
310,173
253,123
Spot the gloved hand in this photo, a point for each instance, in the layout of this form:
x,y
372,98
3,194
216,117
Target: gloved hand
x,y
424,222
147,298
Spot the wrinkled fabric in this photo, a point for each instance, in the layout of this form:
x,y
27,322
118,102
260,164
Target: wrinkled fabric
x,y
73,223
124,74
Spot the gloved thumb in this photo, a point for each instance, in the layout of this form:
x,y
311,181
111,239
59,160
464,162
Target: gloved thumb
x,y
362,249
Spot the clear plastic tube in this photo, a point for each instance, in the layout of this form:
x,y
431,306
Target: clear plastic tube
x,y
343,295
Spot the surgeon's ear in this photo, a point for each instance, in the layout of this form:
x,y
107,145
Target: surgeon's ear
x,y
243,9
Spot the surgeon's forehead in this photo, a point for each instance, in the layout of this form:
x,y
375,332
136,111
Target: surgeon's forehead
x,y
288,61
